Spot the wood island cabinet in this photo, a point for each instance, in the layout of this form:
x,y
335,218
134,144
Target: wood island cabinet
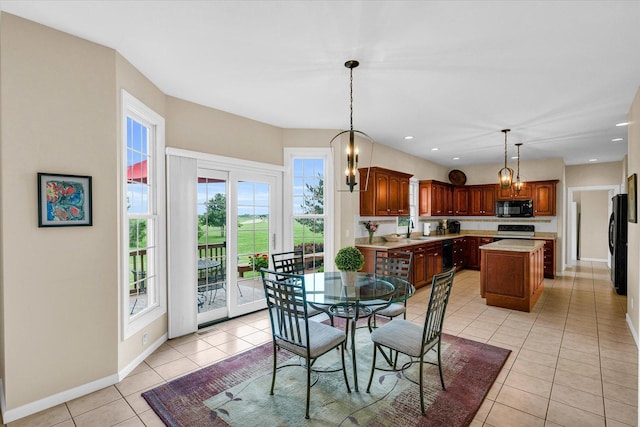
x,y
482,200
511,274
387,193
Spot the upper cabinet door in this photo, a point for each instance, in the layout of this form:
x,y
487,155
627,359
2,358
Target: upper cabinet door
x,y
460,201
544,200
382,191
387,194
526,192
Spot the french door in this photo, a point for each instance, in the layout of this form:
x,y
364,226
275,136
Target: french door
x,y
237,231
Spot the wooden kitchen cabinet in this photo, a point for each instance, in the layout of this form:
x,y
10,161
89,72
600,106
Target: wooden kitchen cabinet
x,y
482,200
435,198
459,253
473,251
526,192
387,193
511,278
544,198
460,200
419,273
433,254
549,258
369,259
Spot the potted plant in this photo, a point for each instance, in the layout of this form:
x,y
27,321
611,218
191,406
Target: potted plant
x,y
349,260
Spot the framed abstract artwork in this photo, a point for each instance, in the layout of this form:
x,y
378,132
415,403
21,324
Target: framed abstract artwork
x,y
64,200
632,188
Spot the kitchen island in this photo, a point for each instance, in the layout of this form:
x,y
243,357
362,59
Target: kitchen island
x,y
512,273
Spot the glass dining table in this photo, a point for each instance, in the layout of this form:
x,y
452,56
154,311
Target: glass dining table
x,y
326,291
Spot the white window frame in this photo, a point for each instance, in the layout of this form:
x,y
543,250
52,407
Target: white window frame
x,y
132,107
309,153
413,207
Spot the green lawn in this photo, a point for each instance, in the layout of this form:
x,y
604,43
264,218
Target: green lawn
x,y
253,236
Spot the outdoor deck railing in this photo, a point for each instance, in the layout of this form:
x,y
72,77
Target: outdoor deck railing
x,y
215,252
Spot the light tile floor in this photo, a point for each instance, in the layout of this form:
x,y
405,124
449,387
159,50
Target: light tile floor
x,y
573,361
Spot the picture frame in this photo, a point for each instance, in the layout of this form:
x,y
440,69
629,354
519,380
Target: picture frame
x,y
64,200
632,188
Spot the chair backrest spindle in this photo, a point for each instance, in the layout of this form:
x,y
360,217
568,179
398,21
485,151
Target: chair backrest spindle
x,y
440,292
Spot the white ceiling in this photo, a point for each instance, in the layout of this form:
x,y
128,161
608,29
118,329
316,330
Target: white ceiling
x,y
452,74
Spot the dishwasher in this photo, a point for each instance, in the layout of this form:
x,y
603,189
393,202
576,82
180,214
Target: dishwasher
x,y
447,254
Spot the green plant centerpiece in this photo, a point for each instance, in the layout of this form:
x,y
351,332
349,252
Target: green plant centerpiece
x,y
349,260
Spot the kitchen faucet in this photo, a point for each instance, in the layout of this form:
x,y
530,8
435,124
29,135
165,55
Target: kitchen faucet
x,y
409,227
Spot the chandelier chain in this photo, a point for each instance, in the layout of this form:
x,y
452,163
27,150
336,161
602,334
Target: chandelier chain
x,y
351,97
505,148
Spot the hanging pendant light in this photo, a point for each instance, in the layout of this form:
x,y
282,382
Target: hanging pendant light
x,y
518,183
352,150
505,175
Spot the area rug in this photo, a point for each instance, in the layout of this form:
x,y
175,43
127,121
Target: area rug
x,y
235,391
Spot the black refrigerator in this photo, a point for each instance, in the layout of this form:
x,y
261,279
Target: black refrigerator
x,y
618,243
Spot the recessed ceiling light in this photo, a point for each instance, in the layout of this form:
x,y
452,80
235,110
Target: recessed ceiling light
x,y
514,157
408,137
616,139
435,149
593,160
622,124
456,158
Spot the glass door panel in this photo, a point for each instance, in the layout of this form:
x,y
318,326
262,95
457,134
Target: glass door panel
x,y
212,257
255,234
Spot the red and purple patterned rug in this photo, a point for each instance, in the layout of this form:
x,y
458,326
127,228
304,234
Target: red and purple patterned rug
x,y
235,391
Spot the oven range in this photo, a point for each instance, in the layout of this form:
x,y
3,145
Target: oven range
x,y
514,231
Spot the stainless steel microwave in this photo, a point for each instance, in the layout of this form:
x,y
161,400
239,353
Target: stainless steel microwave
x,y
514,208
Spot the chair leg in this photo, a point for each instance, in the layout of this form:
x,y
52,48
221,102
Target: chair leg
x,y
275,365
420,383
344,368
440,366
373,367
306,415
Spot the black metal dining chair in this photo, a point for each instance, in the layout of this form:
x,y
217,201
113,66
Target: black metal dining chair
x,y
414,341
291,328
391,264
292,262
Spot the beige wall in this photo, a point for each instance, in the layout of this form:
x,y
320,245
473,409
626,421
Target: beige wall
x,y
195,127
633,242
58,115
594,222
593,175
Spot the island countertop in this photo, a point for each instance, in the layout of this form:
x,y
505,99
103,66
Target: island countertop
x,y
514,245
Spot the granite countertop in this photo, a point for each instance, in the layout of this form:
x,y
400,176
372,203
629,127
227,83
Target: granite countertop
x,y
513,245
418,239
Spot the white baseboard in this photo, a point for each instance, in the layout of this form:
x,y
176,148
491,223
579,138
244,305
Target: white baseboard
x,y
138,360
634,333
73,393
594,259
